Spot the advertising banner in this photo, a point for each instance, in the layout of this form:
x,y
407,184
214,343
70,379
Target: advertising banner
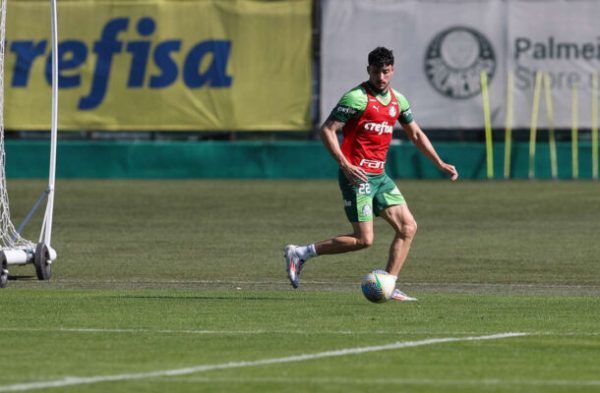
x,y
441,47
161,65
559,38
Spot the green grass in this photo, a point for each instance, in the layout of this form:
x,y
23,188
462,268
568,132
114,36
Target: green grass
x,y
166,275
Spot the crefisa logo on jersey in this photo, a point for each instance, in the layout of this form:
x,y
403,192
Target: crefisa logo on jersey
x,y
454,60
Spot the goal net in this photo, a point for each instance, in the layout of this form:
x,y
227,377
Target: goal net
x,y
9,237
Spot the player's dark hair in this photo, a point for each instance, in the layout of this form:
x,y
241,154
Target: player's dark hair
x,y
381,57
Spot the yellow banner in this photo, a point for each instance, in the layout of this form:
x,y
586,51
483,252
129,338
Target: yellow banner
x,y
161,65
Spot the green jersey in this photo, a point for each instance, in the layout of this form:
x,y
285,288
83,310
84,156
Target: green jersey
x,y
354,103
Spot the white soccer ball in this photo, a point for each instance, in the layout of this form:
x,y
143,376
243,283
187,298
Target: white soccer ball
x,y
378,286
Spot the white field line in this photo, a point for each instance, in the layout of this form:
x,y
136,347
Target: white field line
x,y
216,332
71,381
284,281
391,381
322,282
266,331
222,332
136,331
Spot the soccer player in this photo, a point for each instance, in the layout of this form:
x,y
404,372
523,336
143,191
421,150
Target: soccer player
x,y
367,115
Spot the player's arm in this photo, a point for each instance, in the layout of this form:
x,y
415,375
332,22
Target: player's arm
x,y
350,106
418,137
354,174
422,142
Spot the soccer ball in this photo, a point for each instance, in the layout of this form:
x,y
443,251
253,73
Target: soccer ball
x,y
378,286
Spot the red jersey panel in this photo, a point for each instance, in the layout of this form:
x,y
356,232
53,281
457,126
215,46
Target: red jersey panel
x,y
367,139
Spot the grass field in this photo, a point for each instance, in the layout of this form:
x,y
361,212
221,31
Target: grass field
x,y
180,286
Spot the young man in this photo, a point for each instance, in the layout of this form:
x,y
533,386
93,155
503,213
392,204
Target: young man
x,y
367,115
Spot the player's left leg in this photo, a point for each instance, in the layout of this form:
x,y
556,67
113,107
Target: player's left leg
x,y
405,226
389,203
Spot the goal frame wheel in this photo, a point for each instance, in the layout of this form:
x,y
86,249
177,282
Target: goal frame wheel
x,y
43,264
3,270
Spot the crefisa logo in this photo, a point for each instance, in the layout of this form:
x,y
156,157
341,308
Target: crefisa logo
x,y
454,60
154,64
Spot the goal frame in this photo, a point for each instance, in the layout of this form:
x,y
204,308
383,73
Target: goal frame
x,y
41,255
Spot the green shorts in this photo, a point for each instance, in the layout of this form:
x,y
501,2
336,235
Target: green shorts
x,y
364,200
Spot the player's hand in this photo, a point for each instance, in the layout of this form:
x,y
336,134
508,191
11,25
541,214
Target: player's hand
x,y
450,170
354,174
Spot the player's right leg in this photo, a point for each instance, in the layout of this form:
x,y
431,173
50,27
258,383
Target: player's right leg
x,y
293,264
362,237
296,256
358,205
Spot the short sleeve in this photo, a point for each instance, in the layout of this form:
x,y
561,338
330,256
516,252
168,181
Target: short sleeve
x,y
350,106
406,115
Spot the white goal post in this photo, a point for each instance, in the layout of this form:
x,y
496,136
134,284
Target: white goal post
x,y
14,249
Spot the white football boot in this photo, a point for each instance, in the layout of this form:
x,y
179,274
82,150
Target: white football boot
x,y
400,296
293,264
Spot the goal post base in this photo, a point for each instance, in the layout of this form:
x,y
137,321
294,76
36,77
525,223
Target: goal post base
x,y
17,256
26,255
41,257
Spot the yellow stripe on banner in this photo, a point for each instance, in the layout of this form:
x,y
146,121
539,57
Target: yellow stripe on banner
x,y
534,120
595,125
574,133
163,65
550,116
488,125
508,124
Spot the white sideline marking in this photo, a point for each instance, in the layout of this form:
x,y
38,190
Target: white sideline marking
x,y
266,331
70,381
135,331
391,381
225,332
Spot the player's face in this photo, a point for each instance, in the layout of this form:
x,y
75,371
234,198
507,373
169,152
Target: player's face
x,y
380,76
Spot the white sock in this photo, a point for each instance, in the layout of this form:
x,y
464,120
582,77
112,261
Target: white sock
x,y
306,252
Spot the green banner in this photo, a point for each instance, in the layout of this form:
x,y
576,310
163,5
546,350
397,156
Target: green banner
x,y
161,65
113,159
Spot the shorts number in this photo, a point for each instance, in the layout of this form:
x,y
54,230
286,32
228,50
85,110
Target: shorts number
x,y
364,189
